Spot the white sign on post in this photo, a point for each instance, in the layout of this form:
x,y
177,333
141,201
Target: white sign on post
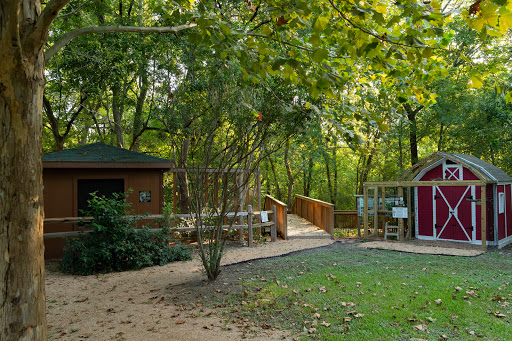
x,y
264,216
399,212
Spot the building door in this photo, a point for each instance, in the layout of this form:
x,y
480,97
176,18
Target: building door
x,y
454,216
102,187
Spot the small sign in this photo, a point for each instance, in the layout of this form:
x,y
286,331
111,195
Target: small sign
x,y
264,216
399,212
145,196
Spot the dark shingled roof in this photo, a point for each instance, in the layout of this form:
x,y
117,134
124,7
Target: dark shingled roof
x,y
493,172
100,152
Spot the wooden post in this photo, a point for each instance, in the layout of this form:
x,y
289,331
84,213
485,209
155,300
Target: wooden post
x,y
218,177
483,221
409,214
331,214
383,207
238,186
375,212
249,224
285,224
358,217
273,232
206,186
365,212
401,220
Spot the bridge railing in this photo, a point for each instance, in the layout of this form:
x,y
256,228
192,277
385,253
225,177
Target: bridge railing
x,y
281,214
318,212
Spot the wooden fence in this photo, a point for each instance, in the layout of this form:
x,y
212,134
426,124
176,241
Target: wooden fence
x,y
318,212
281,214
248,226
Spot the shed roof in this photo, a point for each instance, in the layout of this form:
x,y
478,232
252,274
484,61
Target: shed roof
x,y
484,170
100,155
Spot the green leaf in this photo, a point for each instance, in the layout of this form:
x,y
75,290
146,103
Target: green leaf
x,y
320,24
320,55
476,81
505,19
225,29
315,40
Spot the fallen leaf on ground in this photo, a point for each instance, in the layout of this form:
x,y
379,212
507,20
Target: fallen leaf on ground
x,y
471,293
420,327
439,301
326,324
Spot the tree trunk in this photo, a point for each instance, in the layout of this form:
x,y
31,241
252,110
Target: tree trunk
x,y
139,107
440,142
291,180
413,131
22,299
117,112
276,180
182,179
308,174
328,174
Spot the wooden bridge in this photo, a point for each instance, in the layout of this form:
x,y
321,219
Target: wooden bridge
x,y
309,219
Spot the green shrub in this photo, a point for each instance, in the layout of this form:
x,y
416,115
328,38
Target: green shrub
x,y
115,243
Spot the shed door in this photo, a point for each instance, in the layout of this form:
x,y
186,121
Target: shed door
x,y
454,216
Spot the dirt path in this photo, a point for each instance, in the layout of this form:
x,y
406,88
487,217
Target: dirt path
x,y
145,304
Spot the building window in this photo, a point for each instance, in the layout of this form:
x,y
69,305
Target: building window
x,y
102,187
145,196
501,202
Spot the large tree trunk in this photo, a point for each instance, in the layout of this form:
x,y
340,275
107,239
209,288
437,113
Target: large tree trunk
x,y
22,298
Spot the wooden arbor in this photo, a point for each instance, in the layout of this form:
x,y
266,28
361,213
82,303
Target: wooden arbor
x,y
408,185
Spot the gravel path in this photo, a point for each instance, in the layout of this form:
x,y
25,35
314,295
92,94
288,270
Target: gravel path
x,y
145,305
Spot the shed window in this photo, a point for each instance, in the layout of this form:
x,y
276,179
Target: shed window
x,y
102,187
501,201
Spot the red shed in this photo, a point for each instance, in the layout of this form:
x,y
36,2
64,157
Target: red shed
x,y
70,175
452,213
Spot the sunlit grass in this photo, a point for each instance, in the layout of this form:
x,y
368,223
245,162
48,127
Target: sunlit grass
x,y
382,295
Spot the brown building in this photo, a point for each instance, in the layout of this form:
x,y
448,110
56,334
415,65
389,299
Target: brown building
x,y
70,176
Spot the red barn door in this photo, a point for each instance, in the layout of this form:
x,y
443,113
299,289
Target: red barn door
x,y
454,216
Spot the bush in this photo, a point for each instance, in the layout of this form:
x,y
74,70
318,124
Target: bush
x,y
115,244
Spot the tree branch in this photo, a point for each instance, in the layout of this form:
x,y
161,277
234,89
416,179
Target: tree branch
x,y
66,38
50,12
10,38
382,38
73,11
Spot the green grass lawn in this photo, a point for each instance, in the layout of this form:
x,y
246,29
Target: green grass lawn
x,y
380,295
